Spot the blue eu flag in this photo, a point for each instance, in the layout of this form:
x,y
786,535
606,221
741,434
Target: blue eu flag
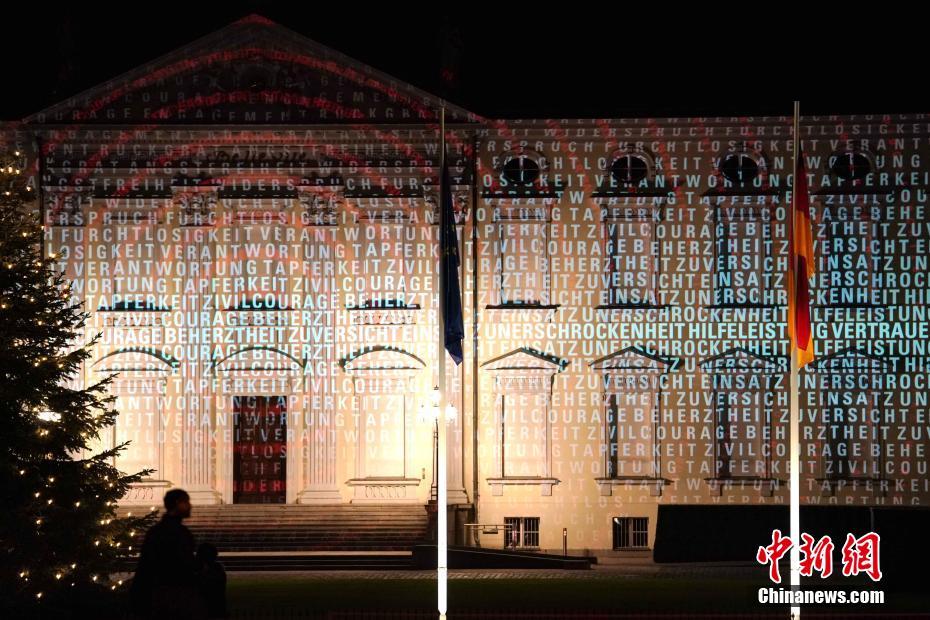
x,y
451,292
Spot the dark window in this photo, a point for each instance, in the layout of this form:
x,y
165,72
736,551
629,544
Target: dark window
x,y
522,255
628,169
847,399
743,248
724,435
521,532
739,168
381,265
848,250
631,532
742,425
613,447
520,170
523,433
850,166
630,433
632,257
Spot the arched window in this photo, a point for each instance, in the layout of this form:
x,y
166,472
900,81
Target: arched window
x,y
522,167
139,384
852,165
631,166
743,167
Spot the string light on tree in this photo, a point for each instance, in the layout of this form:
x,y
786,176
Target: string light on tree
x,y
60,534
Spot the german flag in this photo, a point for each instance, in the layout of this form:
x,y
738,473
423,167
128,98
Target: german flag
x,y
800,269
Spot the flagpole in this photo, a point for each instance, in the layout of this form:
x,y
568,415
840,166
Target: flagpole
x,y
441,491
794,482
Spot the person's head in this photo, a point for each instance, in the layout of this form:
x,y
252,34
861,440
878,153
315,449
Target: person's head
x,y
178,503
206,552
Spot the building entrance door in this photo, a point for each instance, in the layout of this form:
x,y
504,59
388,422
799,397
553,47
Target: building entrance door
x,y
260,449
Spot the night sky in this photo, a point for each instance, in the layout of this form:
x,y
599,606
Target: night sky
x,y
534,63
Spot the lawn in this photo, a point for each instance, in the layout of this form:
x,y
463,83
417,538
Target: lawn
x,y
257,595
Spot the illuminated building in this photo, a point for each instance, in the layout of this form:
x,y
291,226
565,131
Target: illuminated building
x,y
251,222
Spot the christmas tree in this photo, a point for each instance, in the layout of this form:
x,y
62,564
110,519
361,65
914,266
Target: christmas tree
x,y
60,538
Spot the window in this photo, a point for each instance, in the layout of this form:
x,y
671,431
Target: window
x,y
851,165
131,264
321,203
141,405
522,392
631,532
257,272
384,390
382,405
522,255
632,256
521,532
65,207
743,274
520,169
744,166
846,396
629,168
139,385
848,250
745,388
739,168
630,437
632,397
197,204
381,264
742,426
523,432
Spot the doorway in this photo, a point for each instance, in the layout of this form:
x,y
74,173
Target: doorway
x,y
259,449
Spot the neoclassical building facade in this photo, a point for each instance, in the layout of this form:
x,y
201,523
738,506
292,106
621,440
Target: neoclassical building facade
x,y
251,222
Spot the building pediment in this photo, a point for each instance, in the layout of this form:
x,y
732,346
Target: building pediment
x,y
526,359
850,361
632,359
739,359
253,71
381,359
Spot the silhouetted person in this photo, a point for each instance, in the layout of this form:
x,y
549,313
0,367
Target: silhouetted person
x,y
166,582
212,581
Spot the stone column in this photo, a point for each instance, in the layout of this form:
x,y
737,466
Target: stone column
x,y
455,375
455,455
320,206
196,423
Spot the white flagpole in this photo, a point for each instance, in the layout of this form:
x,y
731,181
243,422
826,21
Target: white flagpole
x,y
441,508
794,482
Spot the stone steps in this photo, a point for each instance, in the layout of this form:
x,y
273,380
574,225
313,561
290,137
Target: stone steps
x,y
285,561
296,528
